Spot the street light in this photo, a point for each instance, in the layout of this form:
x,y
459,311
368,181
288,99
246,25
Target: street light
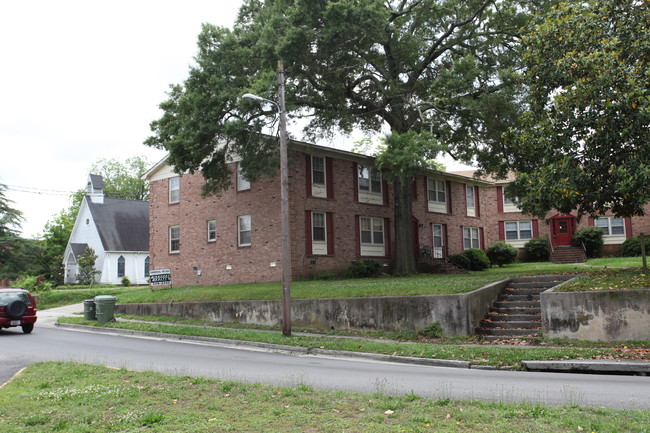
x,y
284,199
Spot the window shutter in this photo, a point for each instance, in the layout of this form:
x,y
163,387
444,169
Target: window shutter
x,y
308,174
591,221
500,199
329,226
448,188
502,231
387,237
477,202
355,183
462,238
357,235
535,229
481,238
628,227
444,242
308,242
414,189
384,191
426,194
329,177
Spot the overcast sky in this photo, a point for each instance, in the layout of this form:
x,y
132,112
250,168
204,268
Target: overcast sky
x,y
82,80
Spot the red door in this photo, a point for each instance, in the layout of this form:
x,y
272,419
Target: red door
x,y
562,229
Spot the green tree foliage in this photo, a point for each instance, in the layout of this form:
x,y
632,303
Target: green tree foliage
x,y
432,72
11,245
583,142
87,271
124,179
632,246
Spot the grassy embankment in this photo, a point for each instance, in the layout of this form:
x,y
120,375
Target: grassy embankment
x,y
75,398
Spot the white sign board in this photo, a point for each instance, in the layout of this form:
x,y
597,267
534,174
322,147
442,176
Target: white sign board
x,y
160,277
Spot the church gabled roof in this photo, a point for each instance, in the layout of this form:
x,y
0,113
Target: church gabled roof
x,y
123,225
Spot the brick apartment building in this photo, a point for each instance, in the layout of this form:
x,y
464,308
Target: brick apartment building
x,y
341,210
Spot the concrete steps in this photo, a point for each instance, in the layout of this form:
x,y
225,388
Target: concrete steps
x,y
568,254
516,312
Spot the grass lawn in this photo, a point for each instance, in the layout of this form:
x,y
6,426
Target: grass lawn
x,y
610,279
421,284
51,397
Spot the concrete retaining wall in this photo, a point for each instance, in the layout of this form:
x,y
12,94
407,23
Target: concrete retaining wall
x,y
457,314
598,316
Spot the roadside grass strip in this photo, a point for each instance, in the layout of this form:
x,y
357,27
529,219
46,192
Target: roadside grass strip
x,y
480,355
78,398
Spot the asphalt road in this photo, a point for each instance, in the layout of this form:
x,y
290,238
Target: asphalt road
x,y
48,343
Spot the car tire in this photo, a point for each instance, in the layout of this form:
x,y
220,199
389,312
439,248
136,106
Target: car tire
x,y
16,309
28,328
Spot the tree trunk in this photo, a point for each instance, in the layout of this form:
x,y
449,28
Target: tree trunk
x,y
404,256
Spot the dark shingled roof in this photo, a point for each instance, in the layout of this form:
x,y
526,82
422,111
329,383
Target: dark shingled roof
x,y
123,225
97,181
78,249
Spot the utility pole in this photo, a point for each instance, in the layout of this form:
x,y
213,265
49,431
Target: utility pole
x,y
284,198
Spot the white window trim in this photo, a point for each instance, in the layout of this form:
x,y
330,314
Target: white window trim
x,y
608,237
439,186
319,189
472,238
243,184
519,242
213,230
319,247
369,196
372,248
171,239
509,204
239,230
174,188
470,200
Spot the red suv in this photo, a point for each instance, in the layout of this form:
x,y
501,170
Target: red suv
x,y
17,308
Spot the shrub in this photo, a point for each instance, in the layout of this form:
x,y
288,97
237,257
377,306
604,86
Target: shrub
x,y
433,330
591,238
364,269
632,247
125,281
537,250
501,253
33,284
472,260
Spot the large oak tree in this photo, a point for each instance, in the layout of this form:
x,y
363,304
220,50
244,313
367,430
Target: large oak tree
x,y
436,74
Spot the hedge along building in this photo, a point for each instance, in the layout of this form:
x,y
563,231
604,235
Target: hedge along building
x,y
341,211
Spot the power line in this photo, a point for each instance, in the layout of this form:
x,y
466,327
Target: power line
x,y
39,191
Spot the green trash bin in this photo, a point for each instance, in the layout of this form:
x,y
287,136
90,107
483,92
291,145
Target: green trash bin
x,y
105,308
89,310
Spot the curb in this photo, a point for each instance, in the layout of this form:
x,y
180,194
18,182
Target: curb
x,y
619,366
281,348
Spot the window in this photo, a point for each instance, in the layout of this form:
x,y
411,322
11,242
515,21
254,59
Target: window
x,y
371,234
438,241
318,170
242,183
611,226
121,264
244,224
437,190
318,233
518,230
146,266
174,189
174,239
369,180
212,231
471,238
471,200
